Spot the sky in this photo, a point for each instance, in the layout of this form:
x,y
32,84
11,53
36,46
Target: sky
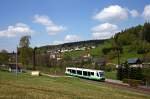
x,y
51,22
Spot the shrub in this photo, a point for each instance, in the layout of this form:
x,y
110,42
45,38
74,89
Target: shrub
x,y
132,82
106,50
110,68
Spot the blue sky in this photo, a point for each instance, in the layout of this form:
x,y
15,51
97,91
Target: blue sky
x,y
59,21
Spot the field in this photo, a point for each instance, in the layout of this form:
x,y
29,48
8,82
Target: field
x,y
111,75
24,86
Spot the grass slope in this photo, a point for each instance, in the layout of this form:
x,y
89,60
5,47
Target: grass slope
x,y
25,86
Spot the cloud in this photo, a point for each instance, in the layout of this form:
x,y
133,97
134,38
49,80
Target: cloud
x,y
104,31
57,42
50,26
146,12
134,13
72,38
18,29
112,13
68,38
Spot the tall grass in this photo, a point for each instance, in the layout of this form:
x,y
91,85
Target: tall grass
x,y
24,86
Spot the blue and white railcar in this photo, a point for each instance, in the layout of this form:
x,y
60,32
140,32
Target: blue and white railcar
x,y
85,73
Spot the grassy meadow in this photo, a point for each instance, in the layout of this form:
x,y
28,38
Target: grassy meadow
x,y
24,86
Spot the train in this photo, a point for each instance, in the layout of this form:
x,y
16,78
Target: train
x,y
86,73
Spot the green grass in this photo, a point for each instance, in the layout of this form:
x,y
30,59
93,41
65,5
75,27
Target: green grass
x,y
24,86
75,54
111,75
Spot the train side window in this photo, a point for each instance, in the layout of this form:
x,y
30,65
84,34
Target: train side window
x,y
79,72
89,73
92,73
85,73
73,71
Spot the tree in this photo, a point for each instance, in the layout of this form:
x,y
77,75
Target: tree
x,y
25,51
34,58
26,55
116,45
120,73
25,41
4,57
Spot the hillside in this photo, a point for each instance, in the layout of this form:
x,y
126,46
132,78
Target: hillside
x,y
70,45
132,42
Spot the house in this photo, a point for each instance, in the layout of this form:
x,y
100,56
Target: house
x,y
76,60
13,67
134,62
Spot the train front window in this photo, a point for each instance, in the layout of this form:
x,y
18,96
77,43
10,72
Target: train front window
x,y
101,74
98,74
68,70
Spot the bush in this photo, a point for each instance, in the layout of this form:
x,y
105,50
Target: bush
x,y
132,82
106,50
110,68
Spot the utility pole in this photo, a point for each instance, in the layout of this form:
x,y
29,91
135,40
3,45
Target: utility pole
x,y
118,52
34,58
17,60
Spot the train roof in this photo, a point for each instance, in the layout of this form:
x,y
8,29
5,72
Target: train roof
x,y
84,69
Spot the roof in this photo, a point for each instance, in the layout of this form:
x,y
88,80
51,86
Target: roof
x,y
133,60
99,60
84,69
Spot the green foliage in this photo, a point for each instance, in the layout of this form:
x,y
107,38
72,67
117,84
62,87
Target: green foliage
x,y
136,73
111,74
67,56
25,52
110,67
146,75
25,41
106,50
25,55
125,71
120,73
4,57
146,32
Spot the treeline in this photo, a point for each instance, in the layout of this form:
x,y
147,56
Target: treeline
x,y
136,75
137,37
133,40
87,43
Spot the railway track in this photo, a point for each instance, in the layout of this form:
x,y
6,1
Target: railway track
x,y
121,86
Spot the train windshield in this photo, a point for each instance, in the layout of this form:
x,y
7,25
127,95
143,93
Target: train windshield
x,y
100,74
